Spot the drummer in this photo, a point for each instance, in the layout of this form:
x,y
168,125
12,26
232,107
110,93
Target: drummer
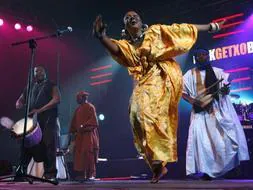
x,y
45,97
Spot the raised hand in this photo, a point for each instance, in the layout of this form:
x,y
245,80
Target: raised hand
x,y
217,26
225,90
99,31
19,104
99,28
221,23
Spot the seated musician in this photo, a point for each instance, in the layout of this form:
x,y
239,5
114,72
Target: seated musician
x,y
216,140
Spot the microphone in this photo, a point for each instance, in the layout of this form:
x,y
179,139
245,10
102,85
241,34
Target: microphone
x,y
66,30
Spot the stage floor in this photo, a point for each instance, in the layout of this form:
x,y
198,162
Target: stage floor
x,y
133,185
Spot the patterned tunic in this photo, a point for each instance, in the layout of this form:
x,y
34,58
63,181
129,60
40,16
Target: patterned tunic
x,y
154,102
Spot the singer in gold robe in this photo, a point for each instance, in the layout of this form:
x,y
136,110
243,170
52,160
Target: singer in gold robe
x,y
148,54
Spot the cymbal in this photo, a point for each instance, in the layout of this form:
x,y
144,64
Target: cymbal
x,y
236,96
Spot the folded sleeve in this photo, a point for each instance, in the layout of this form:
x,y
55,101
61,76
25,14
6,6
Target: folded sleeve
x,y
127,55
187,83
175,39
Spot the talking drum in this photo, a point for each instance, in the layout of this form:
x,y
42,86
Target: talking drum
x,y
33,132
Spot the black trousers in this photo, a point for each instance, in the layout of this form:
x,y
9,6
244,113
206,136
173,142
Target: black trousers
x,y
45,151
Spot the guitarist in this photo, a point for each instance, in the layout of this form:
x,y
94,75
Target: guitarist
x,y
206,83
213,146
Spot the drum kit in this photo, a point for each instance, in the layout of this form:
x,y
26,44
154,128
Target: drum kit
x,y
244,111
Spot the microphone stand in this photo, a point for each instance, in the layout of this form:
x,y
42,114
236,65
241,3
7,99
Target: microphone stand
x,y
21,173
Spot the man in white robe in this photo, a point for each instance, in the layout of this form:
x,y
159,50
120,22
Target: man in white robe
x,y
216,140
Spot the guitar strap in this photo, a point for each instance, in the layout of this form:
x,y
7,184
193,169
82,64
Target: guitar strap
x,y
200,87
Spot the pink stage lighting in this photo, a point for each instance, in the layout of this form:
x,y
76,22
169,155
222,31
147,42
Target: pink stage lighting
x,y
1,22
17,26
29,28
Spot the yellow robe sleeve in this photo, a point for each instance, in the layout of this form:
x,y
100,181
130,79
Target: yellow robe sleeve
x,y
127,56
173,40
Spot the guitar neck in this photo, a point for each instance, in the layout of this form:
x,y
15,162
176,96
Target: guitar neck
x,y
219,90
207,89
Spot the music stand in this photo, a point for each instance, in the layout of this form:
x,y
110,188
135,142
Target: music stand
x,y
21,173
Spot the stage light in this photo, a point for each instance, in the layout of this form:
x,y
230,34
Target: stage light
x,y
139,157
101,117
241,89
29,28
101,75
100,82
102,159
101,68
1,22
17,26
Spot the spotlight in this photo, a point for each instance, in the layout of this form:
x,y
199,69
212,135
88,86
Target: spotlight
x,y
29,28
17,26
1,22
101,117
